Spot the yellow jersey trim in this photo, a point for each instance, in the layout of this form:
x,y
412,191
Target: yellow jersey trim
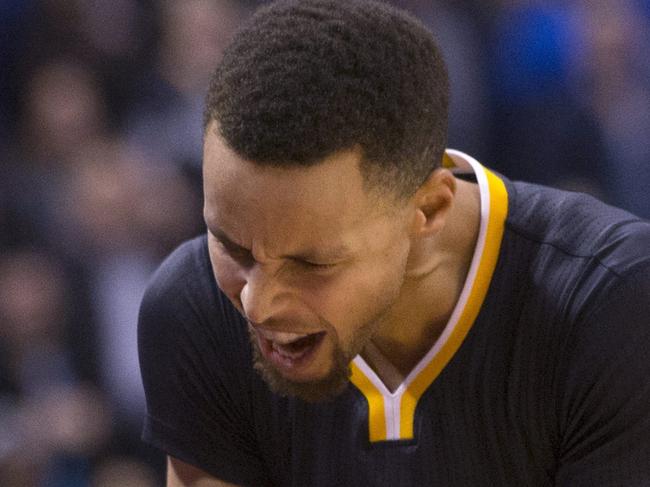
x,y
375,398
391,415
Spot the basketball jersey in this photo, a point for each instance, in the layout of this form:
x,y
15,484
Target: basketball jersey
x,y
539,378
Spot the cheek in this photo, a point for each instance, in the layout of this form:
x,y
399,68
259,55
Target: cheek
x,y
354,297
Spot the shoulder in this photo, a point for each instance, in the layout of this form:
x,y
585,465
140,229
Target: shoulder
x,y
183,310
202,393
184,283
603,398
580,270
589,267
576,224
584,254
186,270
572,245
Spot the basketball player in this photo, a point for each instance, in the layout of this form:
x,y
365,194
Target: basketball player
x,y
369,308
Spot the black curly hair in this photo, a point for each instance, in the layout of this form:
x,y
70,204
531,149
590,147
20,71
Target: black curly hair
x,y
303,79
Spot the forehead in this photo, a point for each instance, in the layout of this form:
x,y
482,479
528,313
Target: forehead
x,y
278,207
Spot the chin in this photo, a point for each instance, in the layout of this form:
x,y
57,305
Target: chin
x,y
323,390
312,389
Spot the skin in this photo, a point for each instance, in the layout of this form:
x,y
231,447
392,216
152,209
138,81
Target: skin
x,y
313,249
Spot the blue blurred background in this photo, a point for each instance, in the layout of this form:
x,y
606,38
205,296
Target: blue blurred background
x,y
100,151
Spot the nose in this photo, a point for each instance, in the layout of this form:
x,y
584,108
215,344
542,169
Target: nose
x,y
261,294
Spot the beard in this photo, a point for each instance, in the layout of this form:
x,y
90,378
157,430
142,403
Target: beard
x,y
337,379
331,385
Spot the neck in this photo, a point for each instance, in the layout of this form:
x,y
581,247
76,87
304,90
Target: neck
x,y
436,274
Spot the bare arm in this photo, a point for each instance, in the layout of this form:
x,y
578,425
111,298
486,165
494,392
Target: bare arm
x,y
181,474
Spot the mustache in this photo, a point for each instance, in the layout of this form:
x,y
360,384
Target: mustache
x,y
288,324
276,323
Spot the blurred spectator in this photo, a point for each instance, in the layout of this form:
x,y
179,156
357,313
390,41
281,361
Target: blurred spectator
x,y
616,73
120,215
167,120
63,108
122,472
13,35
460,40
110,214
100,147
542,133
119,38
52,423
114,38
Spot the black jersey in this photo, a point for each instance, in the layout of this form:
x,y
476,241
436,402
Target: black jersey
x,y
540,378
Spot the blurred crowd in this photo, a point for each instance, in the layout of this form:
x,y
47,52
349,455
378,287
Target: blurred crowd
x,y
100,153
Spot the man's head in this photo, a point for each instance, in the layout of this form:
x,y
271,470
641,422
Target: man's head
x,y
325,123
306,78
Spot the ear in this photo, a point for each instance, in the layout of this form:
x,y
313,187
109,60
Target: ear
x,y
432,202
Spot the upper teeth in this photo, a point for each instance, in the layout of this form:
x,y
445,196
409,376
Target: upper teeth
x,y
281,337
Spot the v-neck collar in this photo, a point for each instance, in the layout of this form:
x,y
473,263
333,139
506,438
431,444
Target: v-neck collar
x,y
391,414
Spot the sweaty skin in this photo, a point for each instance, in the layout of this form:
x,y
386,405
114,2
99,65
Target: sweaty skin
x,y
311,249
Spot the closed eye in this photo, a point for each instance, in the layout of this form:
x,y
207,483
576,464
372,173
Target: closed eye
x,y
316,265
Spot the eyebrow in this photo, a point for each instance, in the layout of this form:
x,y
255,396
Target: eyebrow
x,y
336,252
225,239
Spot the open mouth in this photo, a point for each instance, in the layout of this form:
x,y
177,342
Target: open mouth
x,y
289,350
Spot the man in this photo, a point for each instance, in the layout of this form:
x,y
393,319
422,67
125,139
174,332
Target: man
x,y
370,309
